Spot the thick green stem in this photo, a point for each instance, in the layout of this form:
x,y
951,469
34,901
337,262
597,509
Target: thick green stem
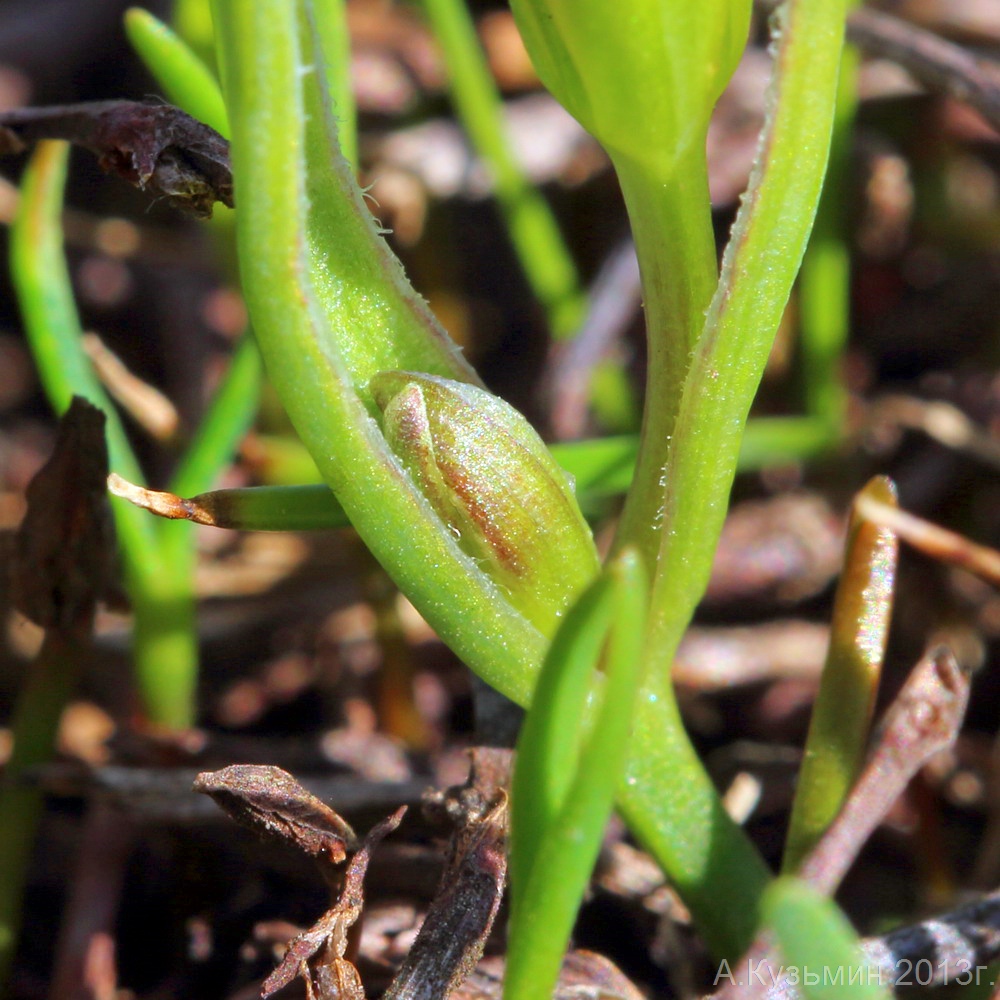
x,y
673,808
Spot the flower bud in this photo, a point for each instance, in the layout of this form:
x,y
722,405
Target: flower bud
x,y
493,482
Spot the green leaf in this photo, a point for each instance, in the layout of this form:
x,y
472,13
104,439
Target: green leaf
x,y
818,945
569,762
159,581
534,232
331,308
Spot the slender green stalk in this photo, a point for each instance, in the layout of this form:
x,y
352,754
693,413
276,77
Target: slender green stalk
x,y
600,467
670,213
224,424
547,262
838,731
51,322
191,85
759,266
192,20
568,767
825,281
329,20
164,647
672,806
771,441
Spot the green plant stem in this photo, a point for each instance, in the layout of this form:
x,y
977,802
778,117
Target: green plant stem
x,y
192,20
548,264
759,266
672,228
47,688
815,937
224,424
672,806
164,629
567,770
51,322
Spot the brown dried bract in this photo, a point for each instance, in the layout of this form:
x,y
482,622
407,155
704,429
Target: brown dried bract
x,y
154,147
318,953
270,801
65,545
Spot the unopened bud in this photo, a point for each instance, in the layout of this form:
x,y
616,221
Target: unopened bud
x,y
492,481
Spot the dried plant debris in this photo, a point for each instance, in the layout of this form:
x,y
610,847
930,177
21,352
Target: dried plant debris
x,y
270,801
319,954
454,932
924,719
444,960
65,545
155,147
273,803
584,976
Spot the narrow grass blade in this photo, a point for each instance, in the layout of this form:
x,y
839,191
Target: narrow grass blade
x,y
224,424
549,745
186,80
165,647
825,281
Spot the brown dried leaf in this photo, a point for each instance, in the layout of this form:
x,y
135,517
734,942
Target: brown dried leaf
x,y
65,545
270,801
154,147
